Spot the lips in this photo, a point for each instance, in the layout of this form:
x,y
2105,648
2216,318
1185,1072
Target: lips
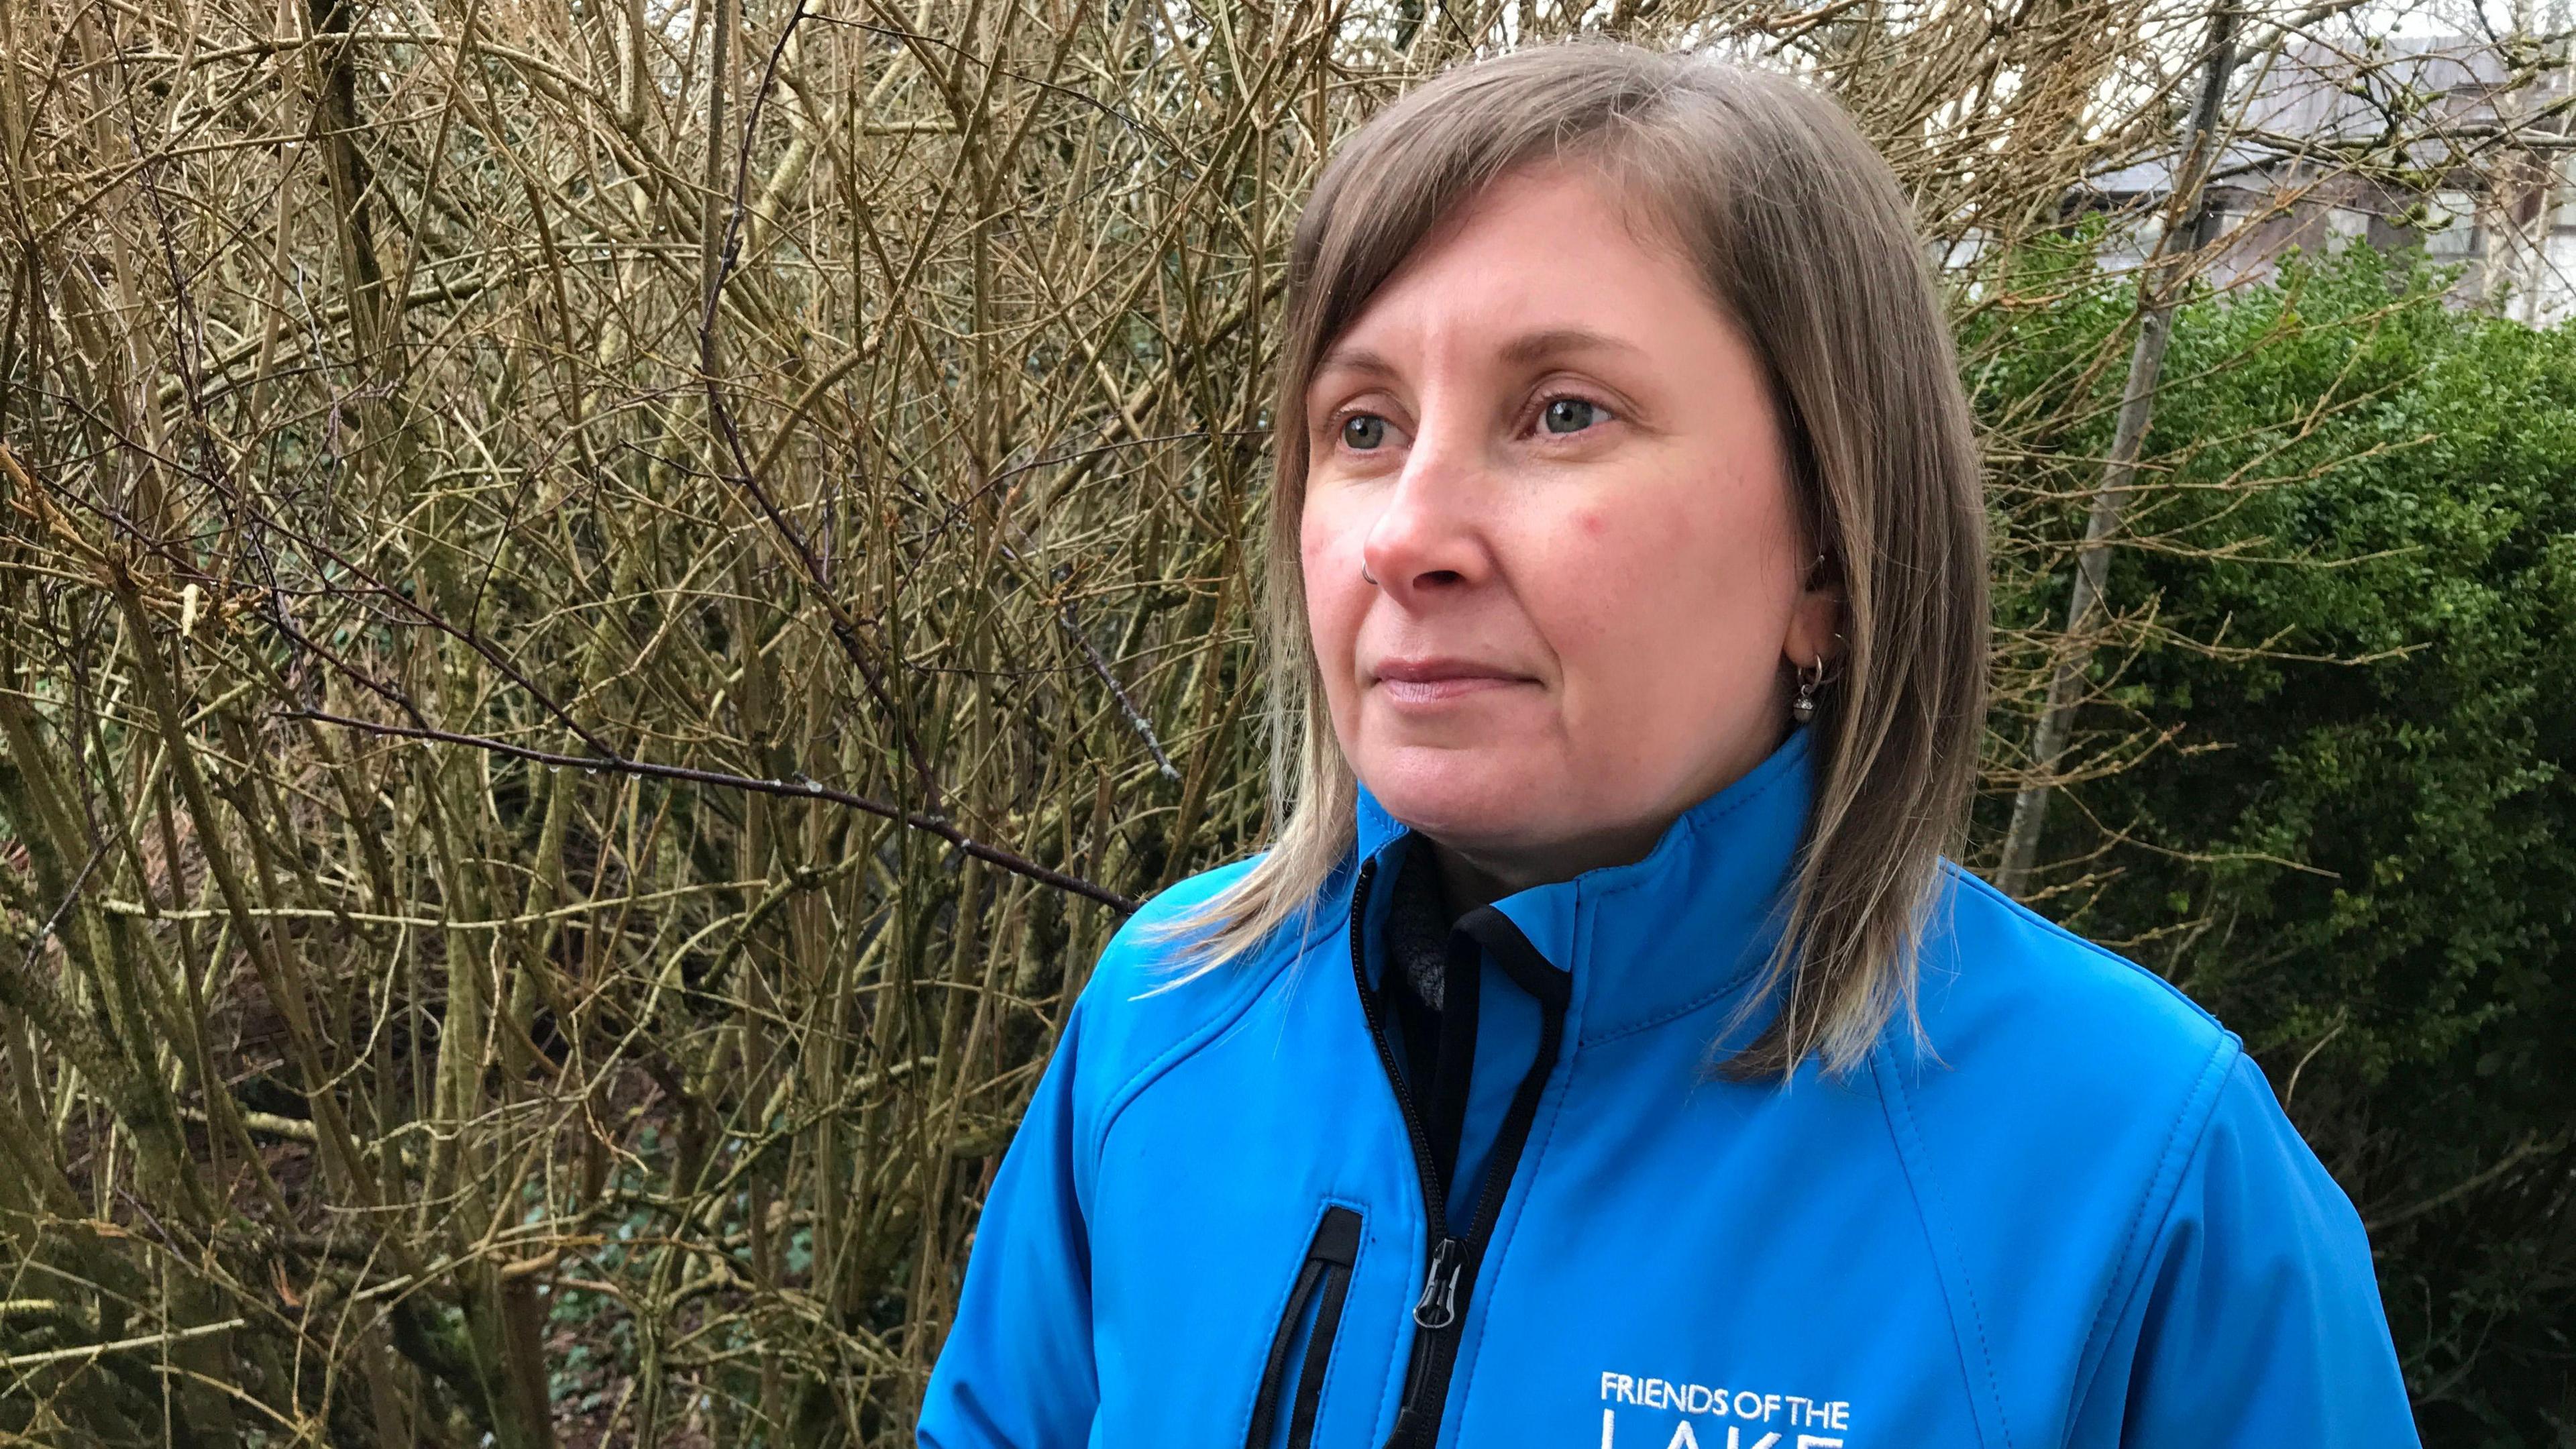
x,y
1431,681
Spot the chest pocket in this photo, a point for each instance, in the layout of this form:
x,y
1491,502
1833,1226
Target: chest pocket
x,y
1292,1378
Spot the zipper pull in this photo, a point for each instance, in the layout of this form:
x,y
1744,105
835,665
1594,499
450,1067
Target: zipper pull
x,y
1438,1306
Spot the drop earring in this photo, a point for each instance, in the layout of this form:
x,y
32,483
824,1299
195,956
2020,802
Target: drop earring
x,y
1811,674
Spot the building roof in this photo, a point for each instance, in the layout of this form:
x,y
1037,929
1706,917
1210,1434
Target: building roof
x,y
2440,95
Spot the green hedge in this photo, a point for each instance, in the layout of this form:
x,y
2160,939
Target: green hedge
x,y
2357,844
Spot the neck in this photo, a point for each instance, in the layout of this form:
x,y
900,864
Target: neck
x,y
1471,876
1689,921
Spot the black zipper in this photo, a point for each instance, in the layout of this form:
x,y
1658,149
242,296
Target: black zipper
x,y
1449,1269
1326,1272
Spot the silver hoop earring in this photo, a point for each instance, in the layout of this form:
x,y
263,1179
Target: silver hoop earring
x,y
1810,675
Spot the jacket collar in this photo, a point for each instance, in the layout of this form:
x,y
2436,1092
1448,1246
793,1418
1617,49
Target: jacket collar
x,y
1687,926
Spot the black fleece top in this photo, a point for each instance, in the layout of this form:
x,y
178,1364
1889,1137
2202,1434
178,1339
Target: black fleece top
x,y
1430,985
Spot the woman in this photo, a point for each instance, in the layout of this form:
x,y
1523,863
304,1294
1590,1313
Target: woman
x,y
1627,560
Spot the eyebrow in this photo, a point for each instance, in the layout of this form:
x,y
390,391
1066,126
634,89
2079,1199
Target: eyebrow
x,y
1526,348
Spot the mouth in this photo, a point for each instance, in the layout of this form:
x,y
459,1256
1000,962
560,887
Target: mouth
x,y
1433,681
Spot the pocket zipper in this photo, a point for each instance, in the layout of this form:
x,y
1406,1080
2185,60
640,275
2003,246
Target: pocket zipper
x,y
1324,1280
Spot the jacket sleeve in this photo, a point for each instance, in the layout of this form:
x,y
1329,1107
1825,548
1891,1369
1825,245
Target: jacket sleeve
x,y
2256,1320
1016,1370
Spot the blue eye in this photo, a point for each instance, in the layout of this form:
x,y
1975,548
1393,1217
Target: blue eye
x,y
1571,414
1364,430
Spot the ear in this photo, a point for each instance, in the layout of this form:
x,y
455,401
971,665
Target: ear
x,y
1815,619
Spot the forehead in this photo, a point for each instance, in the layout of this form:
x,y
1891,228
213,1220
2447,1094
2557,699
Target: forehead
x,y
1546,261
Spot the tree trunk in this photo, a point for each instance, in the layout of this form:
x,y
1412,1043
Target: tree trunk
x,y
2162,288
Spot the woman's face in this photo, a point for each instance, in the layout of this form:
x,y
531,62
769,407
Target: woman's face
x,y
1558,461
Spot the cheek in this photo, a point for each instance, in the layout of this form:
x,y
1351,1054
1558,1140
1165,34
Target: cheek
x,y
1336,595
1666,595
1620,578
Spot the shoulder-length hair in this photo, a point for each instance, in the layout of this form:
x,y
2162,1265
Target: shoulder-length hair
x,y
1802,235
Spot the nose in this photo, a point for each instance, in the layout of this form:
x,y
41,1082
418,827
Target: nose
x,y
1429,539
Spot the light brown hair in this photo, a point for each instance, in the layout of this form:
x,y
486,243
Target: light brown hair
x,y
1803,237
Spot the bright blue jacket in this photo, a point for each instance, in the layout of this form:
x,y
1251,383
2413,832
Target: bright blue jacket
x,y
2087,1223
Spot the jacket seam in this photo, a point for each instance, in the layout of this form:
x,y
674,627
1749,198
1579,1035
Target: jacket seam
x,y
1135,1085
1692,826
1696,1004
2202,1104
1691,829
1972,879
1917,1166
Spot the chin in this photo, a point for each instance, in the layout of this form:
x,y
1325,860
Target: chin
x,y
1461,799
